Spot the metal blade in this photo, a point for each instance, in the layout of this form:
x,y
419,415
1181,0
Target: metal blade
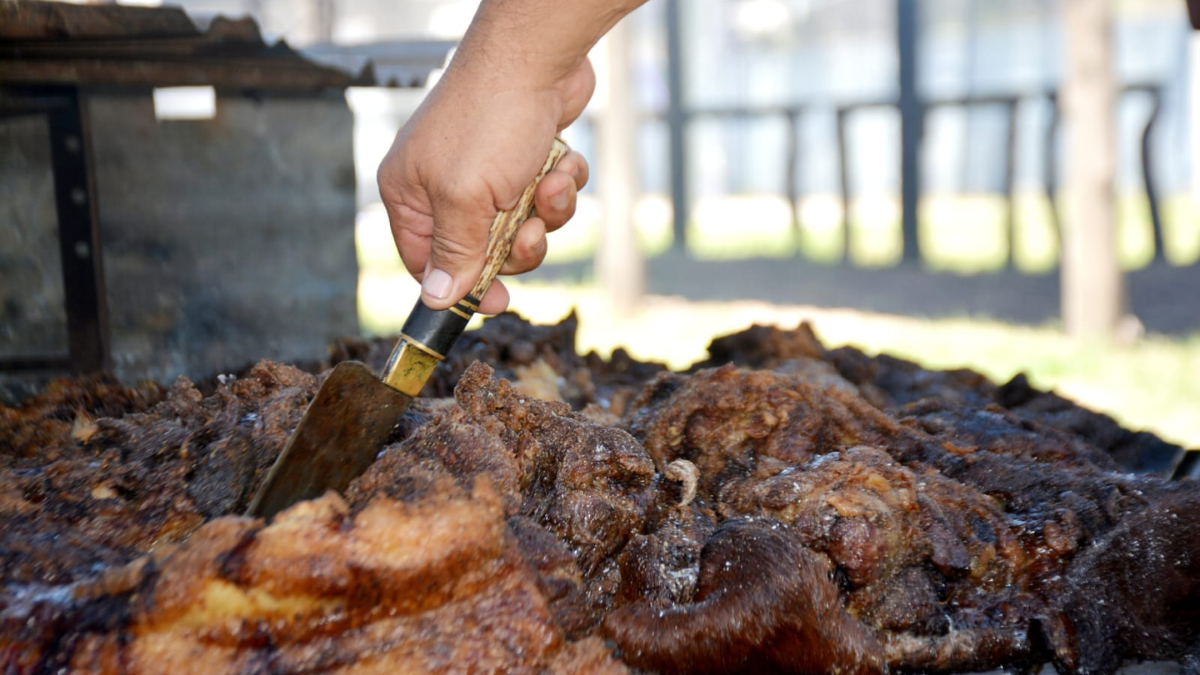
x,y
338,438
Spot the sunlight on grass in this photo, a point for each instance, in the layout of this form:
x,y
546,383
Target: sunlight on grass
x,y
875,238
1135,232
577,240
738,227
1036,235
821,228
1182,229
373,239
735,228
964,234
384,300
654,218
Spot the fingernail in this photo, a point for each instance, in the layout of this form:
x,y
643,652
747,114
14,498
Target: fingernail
x,y
560,200
437,284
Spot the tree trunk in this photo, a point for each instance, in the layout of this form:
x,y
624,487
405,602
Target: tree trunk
x,y
1092,285
619,264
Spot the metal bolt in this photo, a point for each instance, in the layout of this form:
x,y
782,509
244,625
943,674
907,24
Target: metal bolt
x,y
82,249
78,196
71,143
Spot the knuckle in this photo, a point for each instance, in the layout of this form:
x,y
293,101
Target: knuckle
x,y
577,167
531,250
568,212
461,195
539,251
385,175
454,253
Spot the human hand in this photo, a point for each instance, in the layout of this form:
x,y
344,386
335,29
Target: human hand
x,y
469,151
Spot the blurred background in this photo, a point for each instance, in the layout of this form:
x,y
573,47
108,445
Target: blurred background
x,y
904,174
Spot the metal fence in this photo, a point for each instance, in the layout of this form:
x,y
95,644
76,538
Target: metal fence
x,y
913,111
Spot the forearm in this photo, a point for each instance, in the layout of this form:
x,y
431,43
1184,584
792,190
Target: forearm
x,y
535,42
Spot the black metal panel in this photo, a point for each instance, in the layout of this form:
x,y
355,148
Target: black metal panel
x,y
79,233
16,364
78,227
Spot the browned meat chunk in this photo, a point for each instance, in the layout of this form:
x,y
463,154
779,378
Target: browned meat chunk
x,y
397,587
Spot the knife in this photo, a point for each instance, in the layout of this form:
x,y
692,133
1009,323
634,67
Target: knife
x,y
354,411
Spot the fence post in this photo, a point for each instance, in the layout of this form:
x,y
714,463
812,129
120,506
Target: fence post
x,y
844,183
912,116
792,176
1010,169
1156,223
675,125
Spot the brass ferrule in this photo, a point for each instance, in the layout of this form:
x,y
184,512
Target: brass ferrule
x,y
409,368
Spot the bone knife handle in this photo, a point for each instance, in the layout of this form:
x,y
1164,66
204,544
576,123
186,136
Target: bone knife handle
x,y
505,226
428,334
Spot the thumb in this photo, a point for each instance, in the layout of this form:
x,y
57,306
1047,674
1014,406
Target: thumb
x,y
457,253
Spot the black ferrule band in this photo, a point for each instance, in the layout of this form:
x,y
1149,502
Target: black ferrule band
x,y
437,330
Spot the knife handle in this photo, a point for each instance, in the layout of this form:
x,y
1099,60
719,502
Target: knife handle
x,y
428,334
504,227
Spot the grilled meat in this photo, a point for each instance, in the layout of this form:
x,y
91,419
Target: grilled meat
x,y
809,511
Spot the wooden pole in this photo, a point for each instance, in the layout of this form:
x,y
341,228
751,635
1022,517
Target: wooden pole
x,y
619,265
1092,285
